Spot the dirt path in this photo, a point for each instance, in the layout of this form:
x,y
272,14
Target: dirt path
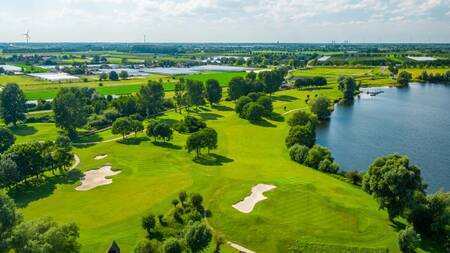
x,y
294,110
240,248
77,162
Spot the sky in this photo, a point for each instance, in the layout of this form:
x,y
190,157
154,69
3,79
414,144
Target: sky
x,y
225,20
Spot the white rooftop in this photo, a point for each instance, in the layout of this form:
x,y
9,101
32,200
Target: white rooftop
x,y
11,68
55,76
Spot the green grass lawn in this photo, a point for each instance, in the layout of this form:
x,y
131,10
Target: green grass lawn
x,y
223,77
308,207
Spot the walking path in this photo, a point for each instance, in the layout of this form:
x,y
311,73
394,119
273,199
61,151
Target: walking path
x,y
240,248
98,142
294,110
77,162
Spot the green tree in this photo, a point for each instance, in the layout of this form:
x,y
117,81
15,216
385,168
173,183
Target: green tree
x,y
236,87
180,91
103,76
9,218
12,104
273,80
316,155
253,112
126,105
302,118
195,93
152,98
70,109
122,126
136,126
348,86
197,236
240,103
303,135
147,246
113,76
7,139
328,166
149,223
190,124
265,102
211,138
195,142
213,91
123,74
298,153
162,130
9,174
28,158
172,245
404,78
408,240
45,235
321,107
393,182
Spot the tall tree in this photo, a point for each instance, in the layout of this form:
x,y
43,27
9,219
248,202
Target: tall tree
x,y
197,236
123,74
179,96
113,76
213,91
348,86
237,88
404,78
152,98
122,126
303,135
321,107
70,109
12,104
393,182
195,93
8,220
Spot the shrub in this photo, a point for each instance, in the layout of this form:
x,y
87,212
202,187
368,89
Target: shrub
x,y
302,118
190,125
355,177
328,166
408,240
303,135
317,154
172,245
298,153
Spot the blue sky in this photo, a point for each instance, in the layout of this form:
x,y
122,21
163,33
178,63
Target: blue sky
x,y
226,20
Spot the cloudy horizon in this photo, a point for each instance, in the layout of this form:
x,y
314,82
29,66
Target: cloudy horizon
x,y
361,21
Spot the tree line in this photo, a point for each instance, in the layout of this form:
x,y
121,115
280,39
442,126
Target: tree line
x,y
435,77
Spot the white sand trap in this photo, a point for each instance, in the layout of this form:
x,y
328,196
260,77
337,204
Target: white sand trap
x,y
95,178
247,205
100,157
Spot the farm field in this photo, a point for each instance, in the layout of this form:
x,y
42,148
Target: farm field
x,y
305,204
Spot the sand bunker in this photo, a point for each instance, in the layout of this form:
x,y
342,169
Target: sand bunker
x,y
95,178
100,157
247,205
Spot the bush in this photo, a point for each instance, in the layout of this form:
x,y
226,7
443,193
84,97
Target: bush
x,y
317,154
298,153
302,118
147,246
355,177
328,166
408,240
172,245
303,135
190,124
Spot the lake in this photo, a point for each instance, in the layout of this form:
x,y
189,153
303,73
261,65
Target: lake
x,y
414,121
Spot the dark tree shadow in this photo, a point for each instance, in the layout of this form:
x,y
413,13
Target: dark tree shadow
x,y
263,123
166,145
397,225
23,130
210,116
429,245
285,98
24,194
170,122
89,138
204,108
222,108
317,88
133,140
212,160
275,117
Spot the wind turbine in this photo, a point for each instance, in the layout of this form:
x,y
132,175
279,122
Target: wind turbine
x,y
27,36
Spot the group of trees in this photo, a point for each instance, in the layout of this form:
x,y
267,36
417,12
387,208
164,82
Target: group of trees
x,y
265,81
113,76
348,86
182,229
159,129
435,77
22,161
190,93
301,143
316,81
189,124
254,106
126,125
398,187
12,104
204,138
40,235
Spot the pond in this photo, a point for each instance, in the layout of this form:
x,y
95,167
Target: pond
x,y
414,121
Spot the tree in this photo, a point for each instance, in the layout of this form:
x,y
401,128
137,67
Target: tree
x,y
7,139
149,223
152,98
237,87
348,86
408,240
265,102
253,112
163,130
298,153
393,182
404,78
12,104
122,126
172,245
28,158
272,80
355,177
123,74
179,96
103,76
146,246
303,135
136,126
126,105
195,142
321,107
45,235
302,118
328,166
190,124
241,102
113,76
195,93
210,136
9,218
197,236
70,109
9,173
316,155
213,91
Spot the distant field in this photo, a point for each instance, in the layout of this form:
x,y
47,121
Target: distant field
x,y
223,77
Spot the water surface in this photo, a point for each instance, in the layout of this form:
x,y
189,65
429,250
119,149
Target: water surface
x,y
414,121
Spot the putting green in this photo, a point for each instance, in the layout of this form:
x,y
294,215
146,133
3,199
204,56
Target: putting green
x,y
306,207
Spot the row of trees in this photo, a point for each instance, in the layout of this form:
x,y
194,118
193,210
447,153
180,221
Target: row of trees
x,y
40,235
194,93
254,106
22,161
205,138
126,125
435,77
304,82
182,229
113,76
